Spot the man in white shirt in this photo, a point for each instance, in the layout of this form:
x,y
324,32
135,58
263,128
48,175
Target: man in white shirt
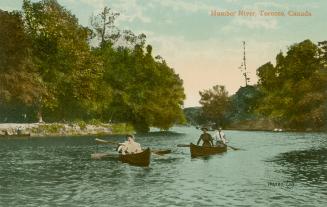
x,y
129,146
220,137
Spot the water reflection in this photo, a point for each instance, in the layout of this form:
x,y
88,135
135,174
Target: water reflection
x,y
160,134
205,158
167,160
60,172
309,166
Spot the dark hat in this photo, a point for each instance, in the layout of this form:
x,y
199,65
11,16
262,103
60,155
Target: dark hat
x,y
204,128
130,135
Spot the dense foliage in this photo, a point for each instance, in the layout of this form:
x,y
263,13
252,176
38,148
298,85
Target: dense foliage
x,y
244,103
216,103
63,60
292,93
295,88
50,71
194,116
20,86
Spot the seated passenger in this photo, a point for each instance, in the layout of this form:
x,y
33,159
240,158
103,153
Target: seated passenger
x,y
220,137
129,146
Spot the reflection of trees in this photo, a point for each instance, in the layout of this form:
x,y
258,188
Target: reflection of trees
x,y
309,166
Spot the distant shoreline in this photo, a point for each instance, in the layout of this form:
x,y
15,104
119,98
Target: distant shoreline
x,y
62,129
26,130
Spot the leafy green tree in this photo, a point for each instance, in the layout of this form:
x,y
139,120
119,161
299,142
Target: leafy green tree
x,y
48,66
216,104
194,116
146,91
295,89
244,103
20,86
63,59
323,52
15,62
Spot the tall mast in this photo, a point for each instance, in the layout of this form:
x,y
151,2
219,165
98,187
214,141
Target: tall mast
x,y
243,66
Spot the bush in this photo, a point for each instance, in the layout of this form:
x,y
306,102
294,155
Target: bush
x,y
51,128
122,128
81,124
95,122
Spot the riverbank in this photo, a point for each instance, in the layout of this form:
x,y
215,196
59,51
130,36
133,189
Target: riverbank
x,y
253,125
62,129
266,125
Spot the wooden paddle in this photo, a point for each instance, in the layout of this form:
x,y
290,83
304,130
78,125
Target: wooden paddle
x,y
183,145
101,141
161,151
234,148
157,152
187,145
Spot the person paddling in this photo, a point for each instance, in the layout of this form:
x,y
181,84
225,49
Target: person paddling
x,y
129,146
206,138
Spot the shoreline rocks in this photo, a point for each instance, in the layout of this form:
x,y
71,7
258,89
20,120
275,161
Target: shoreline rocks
x,y
61,129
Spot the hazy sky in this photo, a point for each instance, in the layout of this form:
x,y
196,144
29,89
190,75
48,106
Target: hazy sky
x,y
207,50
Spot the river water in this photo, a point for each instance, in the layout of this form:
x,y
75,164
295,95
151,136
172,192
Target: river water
x,y
271,169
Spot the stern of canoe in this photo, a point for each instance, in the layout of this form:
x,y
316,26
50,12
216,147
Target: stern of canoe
x,y
139,159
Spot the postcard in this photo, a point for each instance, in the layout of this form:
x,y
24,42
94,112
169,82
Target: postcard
x,y
163,103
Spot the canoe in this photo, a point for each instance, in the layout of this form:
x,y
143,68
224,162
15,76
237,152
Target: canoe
x,y
138,159
197,151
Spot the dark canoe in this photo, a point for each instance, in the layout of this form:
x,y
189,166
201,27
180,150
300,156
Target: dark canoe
x,y
197,151
139,159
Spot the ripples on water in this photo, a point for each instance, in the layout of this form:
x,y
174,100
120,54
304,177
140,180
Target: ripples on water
x,y
306,168
272,169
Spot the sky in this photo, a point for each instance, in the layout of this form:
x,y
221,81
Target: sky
x,y
206,50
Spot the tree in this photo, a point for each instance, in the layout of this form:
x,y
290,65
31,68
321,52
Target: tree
x,y
20,86
323,52
244,103
104,26
63,59
47,64
194,115
295,89
146,91
215,103
138,99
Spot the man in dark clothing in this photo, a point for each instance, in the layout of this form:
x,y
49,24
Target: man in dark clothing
x,y
206,138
